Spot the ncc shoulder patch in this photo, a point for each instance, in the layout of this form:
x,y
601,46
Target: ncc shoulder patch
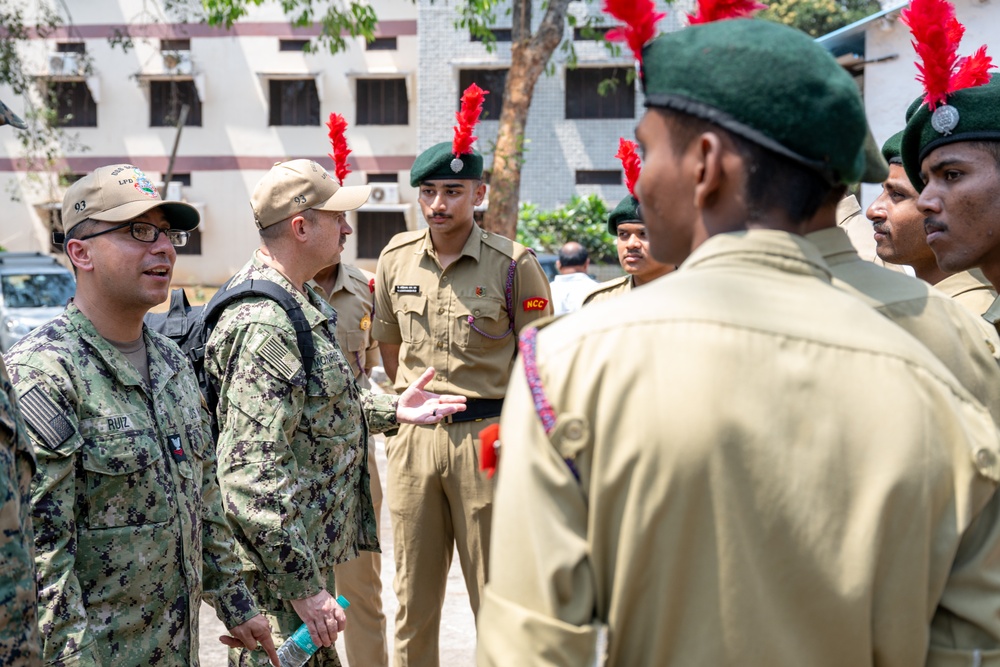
x,y
535,303
278,356
42,413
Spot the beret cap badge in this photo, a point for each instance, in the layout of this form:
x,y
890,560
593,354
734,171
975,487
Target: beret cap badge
x,y
944,119
456,165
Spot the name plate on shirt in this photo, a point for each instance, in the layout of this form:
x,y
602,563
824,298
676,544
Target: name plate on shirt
x,y
407,289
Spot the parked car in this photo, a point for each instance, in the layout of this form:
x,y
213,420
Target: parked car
x,y
548,263
34,288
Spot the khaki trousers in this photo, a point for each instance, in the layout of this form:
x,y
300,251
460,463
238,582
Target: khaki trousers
x,y
439,500
360,581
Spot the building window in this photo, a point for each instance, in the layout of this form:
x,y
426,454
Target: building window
x,y
583,99
375,228
75,106
490,80
71,47
599,177
499,35
167,97
381,44
294,102
390,177
382,102
292,44
175,45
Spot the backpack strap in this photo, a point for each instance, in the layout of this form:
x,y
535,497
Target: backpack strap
x,y
178,321
258,287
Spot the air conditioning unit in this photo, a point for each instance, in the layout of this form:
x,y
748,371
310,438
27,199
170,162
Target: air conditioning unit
x,y
384,193
64,63
177,62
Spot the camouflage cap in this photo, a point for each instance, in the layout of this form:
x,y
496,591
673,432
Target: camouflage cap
x,y
768,83
970,114
438,162
297,185
626,211
119,193
8,117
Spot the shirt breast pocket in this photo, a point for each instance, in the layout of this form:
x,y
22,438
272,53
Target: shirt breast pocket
x,y
331,401
482,322
126,481
411,313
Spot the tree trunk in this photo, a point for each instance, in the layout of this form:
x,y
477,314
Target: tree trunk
x,y
529,56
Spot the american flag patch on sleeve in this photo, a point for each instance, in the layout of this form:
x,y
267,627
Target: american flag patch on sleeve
x,y
280,357
45,417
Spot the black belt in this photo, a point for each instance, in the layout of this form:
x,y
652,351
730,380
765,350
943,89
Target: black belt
x,y
476,409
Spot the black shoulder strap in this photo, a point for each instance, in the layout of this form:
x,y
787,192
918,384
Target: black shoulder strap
x,y
178,321
256,287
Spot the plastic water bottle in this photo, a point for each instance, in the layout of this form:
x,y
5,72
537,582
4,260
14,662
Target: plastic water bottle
x,y
298,648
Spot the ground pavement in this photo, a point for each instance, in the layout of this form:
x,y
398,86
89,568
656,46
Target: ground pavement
x,y
458,637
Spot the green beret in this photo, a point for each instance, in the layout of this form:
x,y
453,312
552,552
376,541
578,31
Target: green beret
x,y
767,83
891,147
439,162
971,114
626,211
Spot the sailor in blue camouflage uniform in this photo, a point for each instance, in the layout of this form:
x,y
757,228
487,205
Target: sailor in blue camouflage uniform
x,y
130,533
19,643
293,445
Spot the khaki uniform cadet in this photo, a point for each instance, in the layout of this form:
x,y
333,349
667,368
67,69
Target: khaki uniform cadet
x,y
19,643
744,527
360,580
293,448
633,253
462,318
900,226
130,531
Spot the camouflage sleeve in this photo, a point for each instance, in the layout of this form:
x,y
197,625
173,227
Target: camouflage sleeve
x,y
19,642
380,411
529,281
47,407
262,403
222,573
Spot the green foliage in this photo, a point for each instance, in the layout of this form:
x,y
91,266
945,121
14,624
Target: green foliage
x,y
819,17
583,219
337,19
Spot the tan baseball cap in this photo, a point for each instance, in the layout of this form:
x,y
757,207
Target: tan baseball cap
x,y
294,186
118,193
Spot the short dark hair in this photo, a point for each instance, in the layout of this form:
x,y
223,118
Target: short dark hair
x,y
576,256
773,181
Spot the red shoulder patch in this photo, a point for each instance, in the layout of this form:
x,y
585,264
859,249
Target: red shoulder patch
x,y
371,285
535,303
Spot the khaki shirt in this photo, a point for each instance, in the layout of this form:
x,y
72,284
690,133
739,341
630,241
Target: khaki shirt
x,y
456,319
353,299
785,482
129,522
955,336
19,642
971,289
292,449
610,289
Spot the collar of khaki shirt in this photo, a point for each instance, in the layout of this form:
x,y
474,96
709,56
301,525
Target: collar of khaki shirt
x,y
783,251
472,248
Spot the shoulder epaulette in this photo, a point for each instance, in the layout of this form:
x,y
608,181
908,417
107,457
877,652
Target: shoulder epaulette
x,y
610,285
404,238
501,244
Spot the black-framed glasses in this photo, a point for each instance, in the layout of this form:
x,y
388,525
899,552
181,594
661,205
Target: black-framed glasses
x,y
146,232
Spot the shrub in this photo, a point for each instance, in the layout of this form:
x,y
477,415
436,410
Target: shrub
x,y
582,219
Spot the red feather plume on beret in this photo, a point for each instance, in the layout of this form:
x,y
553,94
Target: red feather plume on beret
x,y
640,18
338,143
718,10
936,36
630,162
467,117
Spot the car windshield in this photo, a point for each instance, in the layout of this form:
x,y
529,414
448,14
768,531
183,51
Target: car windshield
x,y
37,290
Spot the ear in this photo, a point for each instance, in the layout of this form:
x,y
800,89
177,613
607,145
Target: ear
x,y
79,253
299,229
707,153
480,193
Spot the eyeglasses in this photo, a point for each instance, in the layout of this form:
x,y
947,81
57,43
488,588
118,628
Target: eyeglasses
x,y
146,232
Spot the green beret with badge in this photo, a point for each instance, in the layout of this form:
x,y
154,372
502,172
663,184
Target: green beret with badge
x,y
457,159
892,148
628,208
961,100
